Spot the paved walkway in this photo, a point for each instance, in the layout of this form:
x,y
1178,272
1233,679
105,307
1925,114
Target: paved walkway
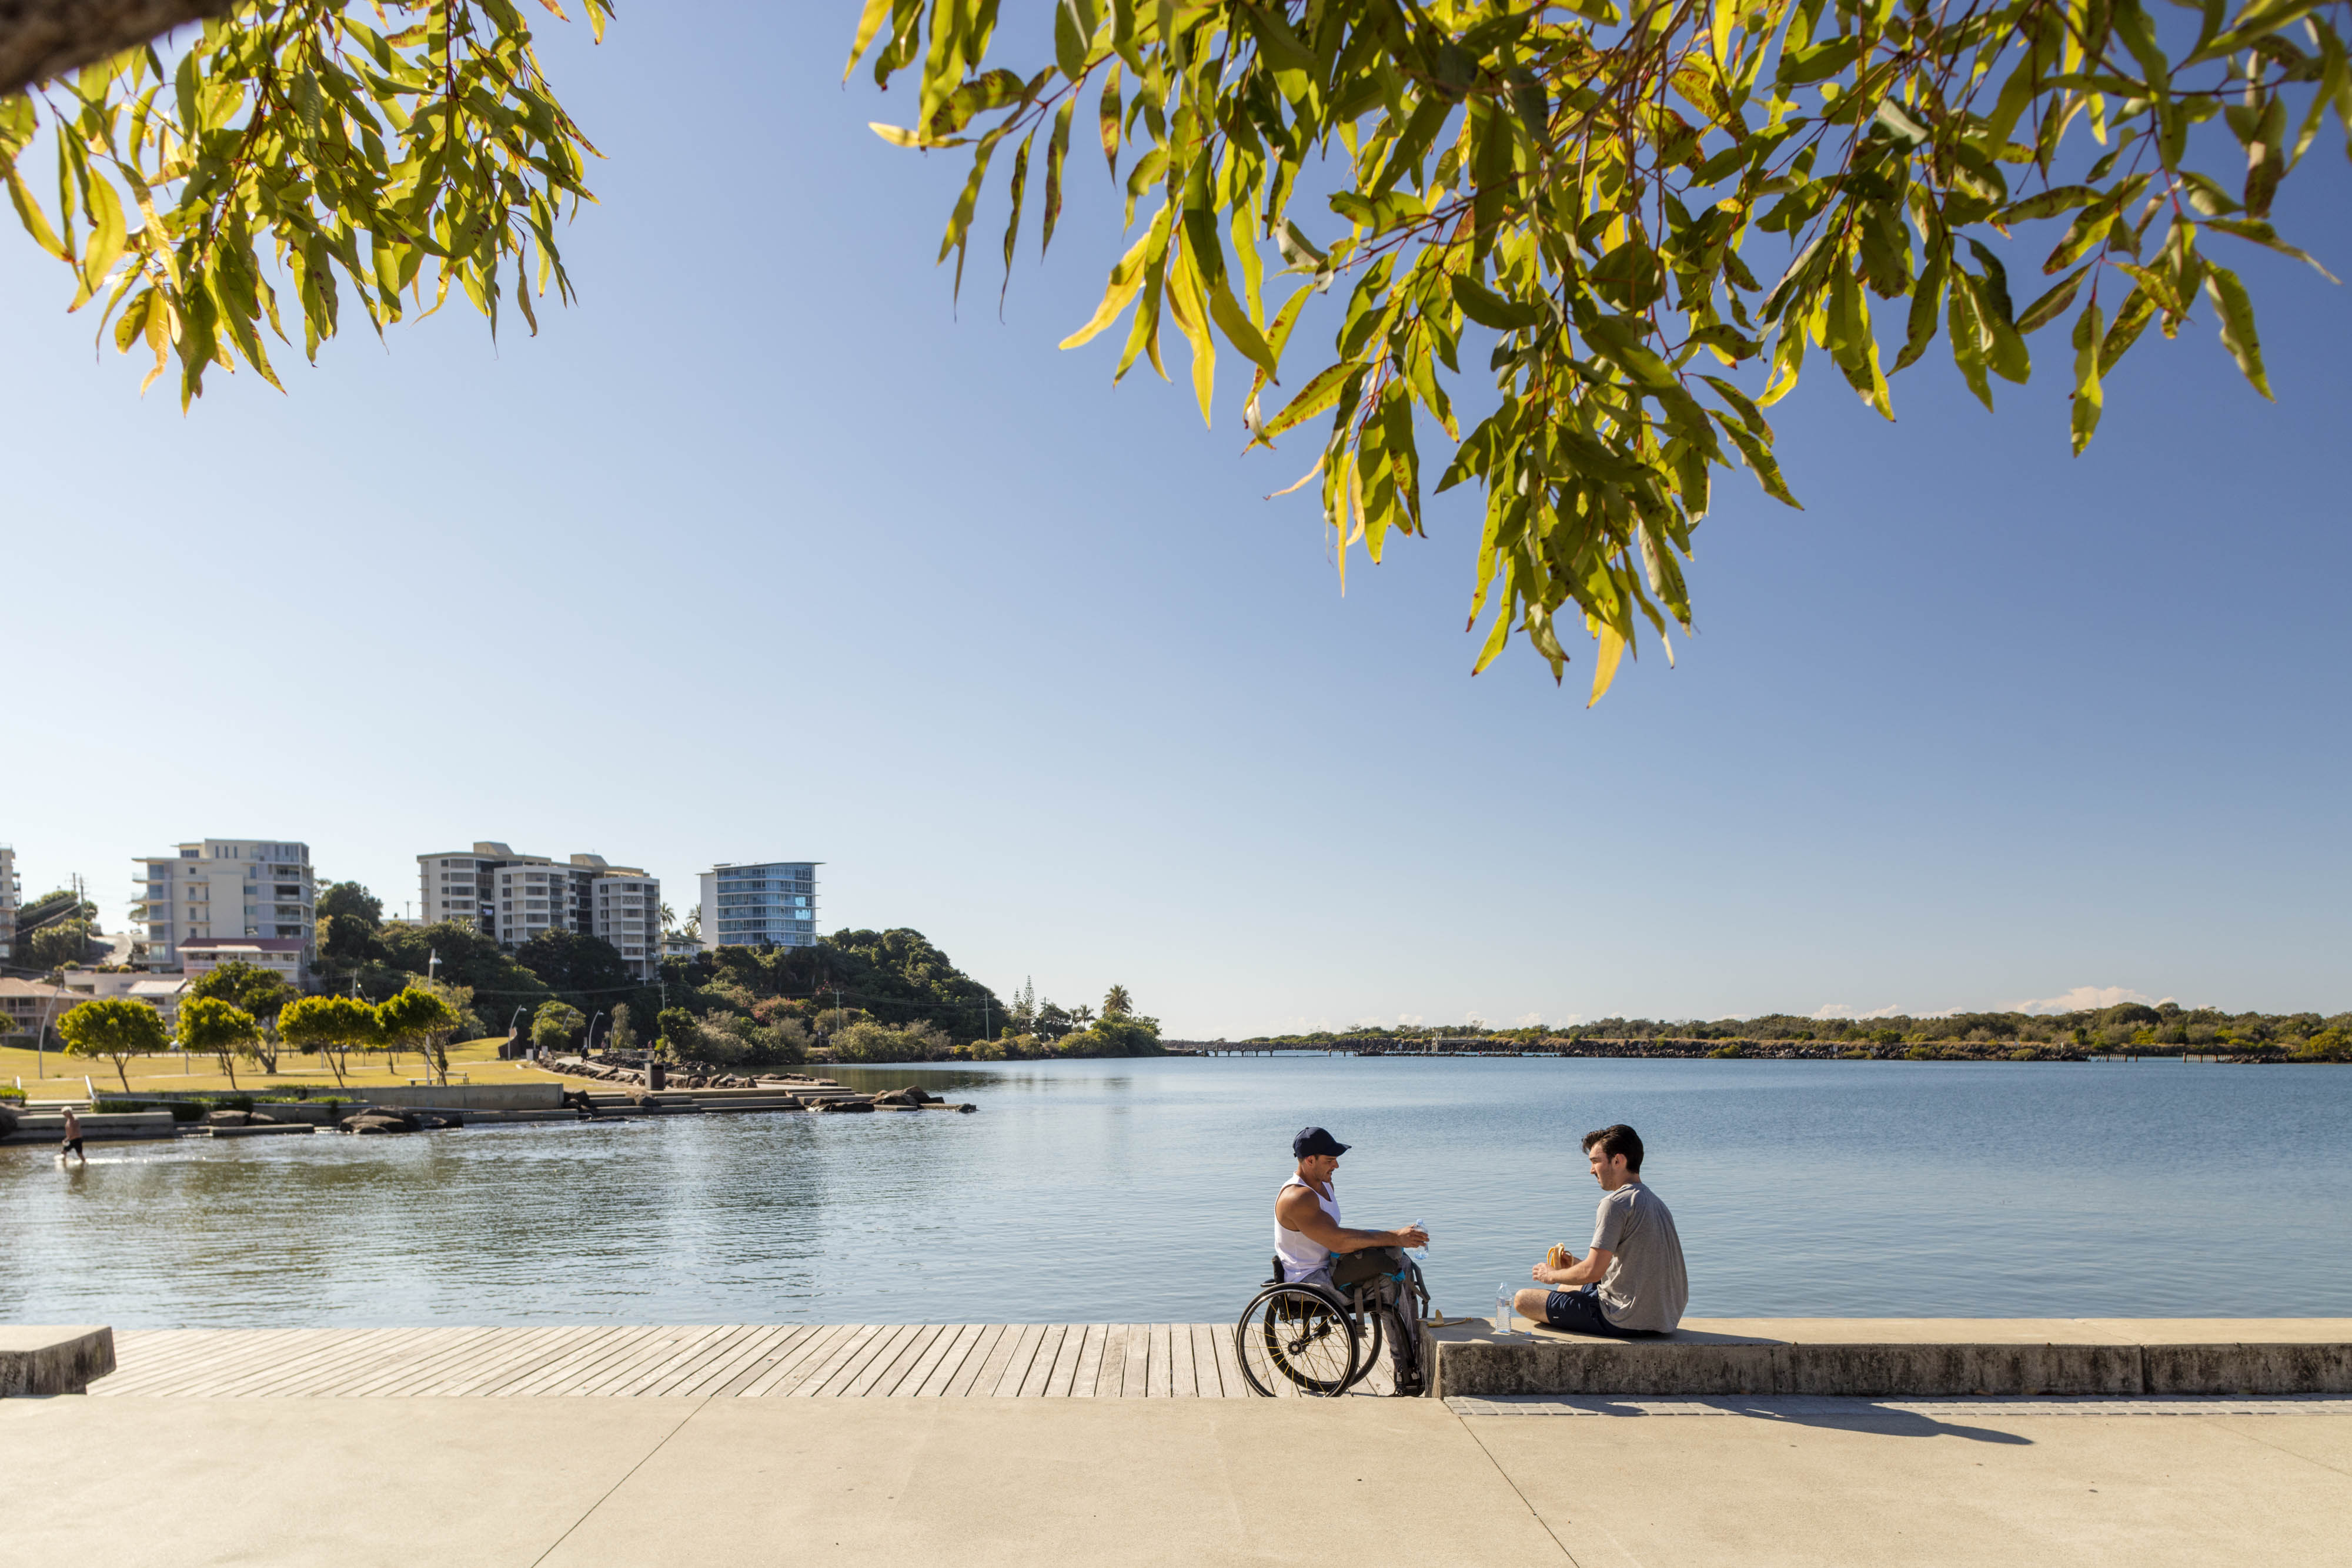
x,y
902,1361
190,1482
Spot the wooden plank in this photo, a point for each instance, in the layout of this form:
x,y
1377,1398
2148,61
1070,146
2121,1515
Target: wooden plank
x,y
156,1359
1110,1380
685,1352
791,1366
367,1355
812,1376
883,1373
337,1353
624,1350
396,1381
717,1348
939,1362
1157,1369
560,1345
985,1354
1210,1383
526,1378
1183,1376
744,1352
1023,1352
1087,1371
167,1358
1229,1366
602,1347
1065,1370
757,1379
523,1348
667,1346
876,1351
1041,1365
1138,1360
258,1355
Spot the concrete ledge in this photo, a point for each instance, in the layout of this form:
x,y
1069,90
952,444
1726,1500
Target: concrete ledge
x,y
40,1359
49,1127
1878,1357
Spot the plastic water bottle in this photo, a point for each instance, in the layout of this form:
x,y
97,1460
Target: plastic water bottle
x,y
1421,1254
1503,1310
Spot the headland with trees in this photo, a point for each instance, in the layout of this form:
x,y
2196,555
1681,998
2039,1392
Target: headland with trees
x,y
2128,1029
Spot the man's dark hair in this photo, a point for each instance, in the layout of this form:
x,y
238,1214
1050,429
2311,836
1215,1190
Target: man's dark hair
x,y
1620,1139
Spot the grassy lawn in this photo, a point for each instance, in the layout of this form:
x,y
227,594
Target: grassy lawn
x,y
472,1061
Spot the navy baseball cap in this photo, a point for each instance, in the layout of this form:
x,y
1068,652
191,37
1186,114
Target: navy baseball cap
x,y
1315,1141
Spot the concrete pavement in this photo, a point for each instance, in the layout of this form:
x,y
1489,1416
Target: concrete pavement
x,y
586,1483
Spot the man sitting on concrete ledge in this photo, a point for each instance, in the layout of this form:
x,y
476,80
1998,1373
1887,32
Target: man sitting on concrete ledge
x,y
1632,1282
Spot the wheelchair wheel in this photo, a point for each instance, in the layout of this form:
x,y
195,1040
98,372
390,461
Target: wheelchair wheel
x,y
1294,1339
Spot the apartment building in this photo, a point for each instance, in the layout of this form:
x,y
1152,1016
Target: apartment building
x,y
11,895
514,897
771,903
232,889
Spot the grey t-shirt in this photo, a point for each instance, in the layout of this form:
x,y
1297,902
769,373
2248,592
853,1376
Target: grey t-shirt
x,y
1645,1287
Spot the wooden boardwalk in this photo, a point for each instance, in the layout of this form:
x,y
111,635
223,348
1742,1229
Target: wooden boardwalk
x,y
835,1361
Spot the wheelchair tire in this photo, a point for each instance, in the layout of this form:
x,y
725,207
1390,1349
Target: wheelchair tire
x,y
1297,1340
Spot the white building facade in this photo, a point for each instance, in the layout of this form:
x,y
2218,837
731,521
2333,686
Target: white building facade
x,y
514,897
229,890
11,894
769,903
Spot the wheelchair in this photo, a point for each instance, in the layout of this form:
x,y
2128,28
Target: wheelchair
x,y
1320,1341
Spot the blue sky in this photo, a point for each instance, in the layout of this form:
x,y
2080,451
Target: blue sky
x,y
767,550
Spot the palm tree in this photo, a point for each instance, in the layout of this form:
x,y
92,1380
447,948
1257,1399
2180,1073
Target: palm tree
x,y
1116,1003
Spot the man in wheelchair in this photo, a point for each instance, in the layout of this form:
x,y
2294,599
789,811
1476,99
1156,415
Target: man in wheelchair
x,y
1337,1294
1309,1242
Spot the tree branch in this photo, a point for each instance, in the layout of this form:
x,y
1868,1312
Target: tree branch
x,y
41,39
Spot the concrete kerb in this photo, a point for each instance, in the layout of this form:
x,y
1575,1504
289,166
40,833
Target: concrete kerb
x,y
1855,1357
40,1359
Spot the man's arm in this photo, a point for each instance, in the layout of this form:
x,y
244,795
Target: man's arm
x,y
1590,1270
1299,1210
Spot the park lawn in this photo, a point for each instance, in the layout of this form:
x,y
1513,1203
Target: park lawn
x,y
470,1061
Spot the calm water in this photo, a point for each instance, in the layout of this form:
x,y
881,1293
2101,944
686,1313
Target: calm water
x,y
1142,1190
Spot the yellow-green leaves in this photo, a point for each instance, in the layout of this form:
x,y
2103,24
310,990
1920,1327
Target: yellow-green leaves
x,y
1587,195
291,142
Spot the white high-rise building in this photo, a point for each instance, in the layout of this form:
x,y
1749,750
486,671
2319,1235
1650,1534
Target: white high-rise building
x,y
771,903
11,895
235,890
515,897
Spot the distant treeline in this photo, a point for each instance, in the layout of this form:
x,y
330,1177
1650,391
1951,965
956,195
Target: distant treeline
x,y
2166,1030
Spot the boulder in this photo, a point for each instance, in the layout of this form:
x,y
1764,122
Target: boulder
x,y
383,1119
837,1107
232,1118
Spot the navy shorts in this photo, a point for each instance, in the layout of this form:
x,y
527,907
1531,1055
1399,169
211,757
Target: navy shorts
x,y
1578,1312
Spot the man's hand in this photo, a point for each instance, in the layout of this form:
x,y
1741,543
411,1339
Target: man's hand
x,y
1544,1274
1412,1236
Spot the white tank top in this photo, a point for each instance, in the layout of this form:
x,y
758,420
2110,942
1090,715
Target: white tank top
x,y
1300,1256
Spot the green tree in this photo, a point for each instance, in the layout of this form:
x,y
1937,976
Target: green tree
x,y
220,1029
293,162
113,1028
351,924
587,969
423,1021
554,1024
260,991
1116,1003
680,1034
1589,193
332,1027
467,957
